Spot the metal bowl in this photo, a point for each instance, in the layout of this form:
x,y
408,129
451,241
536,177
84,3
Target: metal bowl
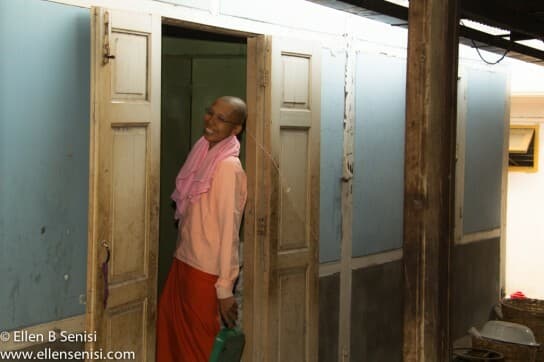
x,y
508,332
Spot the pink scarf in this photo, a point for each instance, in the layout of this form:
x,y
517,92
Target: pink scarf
x,y
195,177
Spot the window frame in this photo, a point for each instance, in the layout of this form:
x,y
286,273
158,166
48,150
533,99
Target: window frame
x,y
529,169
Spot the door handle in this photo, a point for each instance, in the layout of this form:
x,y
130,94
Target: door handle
x,y
105,272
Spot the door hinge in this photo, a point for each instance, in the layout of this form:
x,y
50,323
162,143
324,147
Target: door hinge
x,y
261,226
265,78
106,56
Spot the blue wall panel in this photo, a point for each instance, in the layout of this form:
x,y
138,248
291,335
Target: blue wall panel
x,y
44,160
486,107
332,135
379,154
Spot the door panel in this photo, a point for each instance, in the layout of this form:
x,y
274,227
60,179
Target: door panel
x,y
294,167
294,208
122,319
293,301
130,68
128,203
125,138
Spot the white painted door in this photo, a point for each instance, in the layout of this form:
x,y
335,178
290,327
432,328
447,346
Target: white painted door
x,y
295,115
124,191
284,134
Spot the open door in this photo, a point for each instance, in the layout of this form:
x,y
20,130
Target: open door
x,y
124,182
282,215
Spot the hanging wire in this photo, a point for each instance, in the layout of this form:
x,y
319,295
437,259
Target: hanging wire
x,y
506,51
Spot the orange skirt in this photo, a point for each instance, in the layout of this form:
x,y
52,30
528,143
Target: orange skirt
x,y
187,317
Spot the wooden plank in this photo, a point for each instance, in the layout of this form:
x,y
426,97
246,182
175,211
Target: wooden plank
x,y
479,236
124,182
293,210
460,154
255,224
429,174
344,335
371,260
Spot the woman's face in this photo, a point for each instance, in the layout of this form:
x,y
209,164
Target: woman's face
x,y
220,122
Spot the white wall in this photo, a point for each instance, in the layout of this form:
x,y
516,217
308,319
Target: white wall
x,y
525,226
304,19
527,78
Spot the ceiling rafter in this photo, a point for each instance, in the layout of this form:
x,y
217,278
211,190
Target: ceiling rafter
x,y
514,20
521,20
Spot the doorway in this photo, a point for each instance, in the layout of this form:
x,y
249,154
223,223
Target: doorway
x,y
281,223
197,68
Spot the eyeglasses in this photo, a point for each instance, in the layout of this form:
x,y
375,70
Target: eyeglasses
x,y
221,118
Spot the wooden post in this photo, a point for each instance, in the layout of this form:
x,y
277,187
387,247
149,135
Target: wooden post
x,y
429,178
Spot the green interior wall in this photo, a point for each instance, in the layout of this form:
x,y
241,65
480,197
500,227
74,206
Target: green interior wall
x,y
194,73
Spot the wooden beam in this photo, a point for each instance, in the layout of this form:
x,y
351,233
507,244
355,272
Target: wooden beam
x,y
503,16
480,37
429,174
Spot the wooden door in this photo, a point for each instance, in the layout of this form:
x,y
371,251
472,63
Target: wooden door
x,y
282,216
124,184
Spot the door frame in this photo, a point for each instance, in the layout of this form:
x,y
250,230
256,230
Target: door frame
x,y
255,273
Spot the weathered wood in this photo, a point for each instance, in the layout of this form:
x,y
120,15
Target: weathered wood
x,y
429,174
282,214
293,238
254,228
124,182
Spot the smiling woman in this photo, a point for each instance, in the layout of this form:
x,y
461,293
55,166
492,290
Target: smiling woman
x,y
198,67
225,117
210,194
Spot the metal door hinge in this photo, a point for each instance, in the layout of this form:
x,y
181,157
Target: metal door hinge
x,y
106,56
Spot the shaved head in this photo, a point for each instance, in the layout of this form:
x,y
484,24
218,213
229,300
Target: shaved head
x,y
240,108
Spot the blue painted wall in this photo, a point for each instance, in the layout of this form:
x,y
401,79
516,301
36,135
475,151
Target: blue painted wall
x,y
44,160
378,184
332,149
486,106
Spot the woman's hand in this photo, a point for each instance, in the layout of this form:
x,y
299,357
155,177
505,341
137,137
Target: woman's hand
x,y
229,311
